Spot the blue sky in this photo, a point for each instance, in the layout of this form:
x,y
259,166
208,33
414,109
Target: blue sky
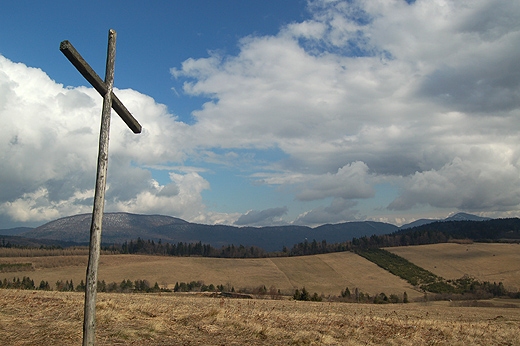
x,y
265,112
157,37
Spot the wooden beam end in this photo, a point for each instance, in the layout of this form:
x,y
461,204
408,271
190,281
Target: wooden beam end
x,y
64,45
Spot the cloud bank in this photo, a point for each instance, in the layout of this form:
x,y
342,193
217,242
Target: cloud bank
x,y
423,95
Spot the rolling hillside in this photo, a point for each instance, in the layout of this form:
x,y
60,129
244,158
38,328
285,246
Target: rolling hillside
x,y
328,274
486,262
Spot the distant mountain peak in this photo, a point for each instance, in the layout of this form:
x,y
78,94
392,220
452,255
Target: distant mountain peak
x,y
466,217
461,216
77,227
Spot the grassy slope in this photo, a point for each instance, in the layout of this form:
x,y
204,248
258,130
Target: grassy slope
x,y
485,262
336,271
328,274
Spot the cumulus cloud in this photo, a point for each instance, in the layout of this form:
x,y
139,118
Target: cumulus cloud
x,y
339,210
262,217
39,206
487,180
423,94
350,182
403,90
180,197
48,152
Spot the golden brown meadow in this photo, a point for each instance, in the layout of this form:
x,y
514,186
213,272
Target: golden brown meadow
x,y
326,274
55,318
486,262
40,317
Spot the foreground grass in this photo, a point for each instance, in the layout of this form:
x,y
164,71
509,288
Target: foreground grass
x,y
56,318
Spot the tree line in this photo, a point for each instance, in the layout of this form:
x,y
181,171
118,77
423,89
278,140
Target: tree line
x,y
125,286
496,230
463,288
369,247
143,286
436,232
182,249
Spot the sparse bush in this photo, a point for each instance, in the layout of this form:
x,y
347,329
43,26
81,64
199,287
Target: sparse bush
x,y
304,295
260,291
394,299
345,293
381,298
80,287
274,293
44,285
113,287
316,298
101,286
64,286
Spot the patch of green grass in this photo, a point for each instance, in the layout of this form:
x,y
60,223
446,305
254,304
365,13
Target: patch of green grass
x,y
408,271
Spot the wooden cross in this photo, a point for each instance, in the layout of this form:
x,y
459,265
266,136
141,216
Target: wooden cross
x,y
109,101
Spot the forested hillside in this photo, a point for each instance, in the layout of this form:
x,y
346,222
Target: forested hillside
x,y
495,230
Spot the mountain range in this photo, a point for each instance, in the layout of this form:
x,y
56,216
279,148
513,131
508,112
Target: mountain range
x,y
121,227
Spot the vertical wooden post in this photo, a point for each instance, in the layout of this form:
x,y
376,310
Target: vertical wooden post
x,y
110,100
89,324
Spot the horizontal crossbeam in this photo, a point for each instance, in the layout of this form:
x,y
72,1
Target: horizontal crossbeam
x,y
91,76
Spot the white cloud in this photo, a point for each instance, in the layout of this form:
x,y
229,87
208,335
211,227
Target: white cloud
x,y
265,217
180,197
339,210
350,182
49,148
425,95
403,89
38,206
487,179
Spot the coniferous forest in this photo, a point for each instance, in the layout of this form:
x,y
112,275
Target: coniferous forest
x,y
497,230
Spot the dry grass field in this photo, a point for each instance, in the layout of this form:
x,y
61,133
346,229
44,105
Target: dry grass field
x,y
485,262
56,318
326,274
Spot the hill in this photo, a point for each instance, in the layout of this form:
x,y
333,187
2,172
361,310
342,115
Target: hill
x,y
327,273
486,262
116,227
18,241
456,217
14,231
121,227
487,230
